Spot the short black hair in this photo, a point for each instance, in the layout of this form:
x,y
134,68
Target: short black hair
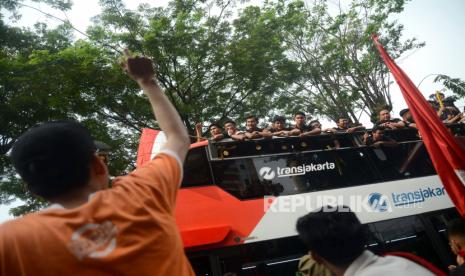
x,y
216,125
230,122
54,158
456,228
378,127
299,113
403,111
314,121
278,118
252,117
334,233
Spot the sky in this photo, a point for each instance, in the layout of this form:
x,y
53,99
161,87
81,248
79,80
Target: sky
x,y
437,23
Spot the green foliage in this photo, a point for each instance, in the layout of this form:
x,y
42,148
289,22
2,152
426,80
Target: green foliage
x,y
456,85
12,5
47,77
278,58
210,68
340,71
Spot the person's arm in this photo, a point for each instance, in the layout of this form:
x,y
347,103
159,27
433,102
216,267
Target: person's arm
x,y
294,132
238,136
253,135
387,143
315,131
356,128
281,133
400,124
217,137
396,123
330,130
463,118
266,133
455,119
141,70
198,132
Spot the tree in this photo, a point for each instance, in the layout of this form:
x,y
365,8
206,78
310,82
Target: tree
x,y
211,69
456,85
341,72
208,72
13,5
48,77
280,57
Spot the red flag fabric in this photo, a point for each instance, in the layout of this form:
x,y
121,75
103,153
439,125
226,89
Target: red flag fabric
x,y
447,155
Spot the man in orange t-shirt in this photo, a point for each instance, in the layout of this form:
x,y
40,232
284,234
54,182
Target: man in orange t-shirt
x,y
88,229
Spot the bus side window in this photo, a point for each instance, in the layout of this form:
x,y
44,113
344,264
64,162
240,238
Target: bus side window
x,y
196,169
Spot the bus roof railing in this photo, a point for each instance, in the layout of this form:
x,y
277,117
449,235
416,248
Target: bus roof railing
x,y
233,149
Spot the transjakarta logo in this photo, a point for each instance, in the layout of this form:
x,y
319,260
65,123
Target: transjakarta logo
x,y
378,202
268,173
417,196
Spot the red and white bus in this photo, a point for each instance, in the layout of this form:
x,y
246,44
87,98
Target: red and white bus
x,y
240,200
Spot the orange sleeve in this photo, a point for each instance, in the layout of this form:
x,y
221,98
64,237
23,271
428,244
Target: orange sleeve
x,y
162,176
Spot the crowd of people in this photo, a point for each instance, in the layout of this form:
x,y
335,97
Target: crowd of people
x,y
446,110
130,228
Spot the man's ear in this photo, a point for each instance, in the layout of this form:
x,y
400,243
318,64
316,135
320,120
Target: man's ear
x,y
99,173
98,167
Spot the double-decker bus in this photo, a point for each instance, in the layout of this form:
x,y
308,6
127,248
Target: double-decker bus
x,y
239,200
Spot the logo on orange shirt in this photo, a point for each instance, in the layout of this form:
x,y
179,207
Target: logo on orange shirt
x,y
93,240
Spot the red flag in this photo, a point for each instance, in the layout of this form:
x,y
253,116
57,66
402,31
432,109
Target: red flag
x,y
447,155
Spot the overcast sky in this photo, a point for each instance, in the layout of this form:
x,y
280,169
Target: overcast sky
x,y
438,23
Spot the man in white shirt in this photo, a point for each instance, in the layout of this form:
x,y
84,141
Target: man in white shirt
x,y
336,239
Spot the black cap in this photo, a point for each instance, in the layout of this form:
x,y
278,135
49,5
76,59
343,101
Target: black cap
x,y
101,146
403,111
54,157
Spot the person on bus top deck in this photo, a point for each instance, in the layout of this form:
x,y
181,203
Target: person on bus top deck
x,y
339,243
90,229
456,234
386,121
300,124
314,129
463,116
446,101
251,129
231,129
377,138
445,107
317,129
452,116
278,127
216,132
343,126
407,118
